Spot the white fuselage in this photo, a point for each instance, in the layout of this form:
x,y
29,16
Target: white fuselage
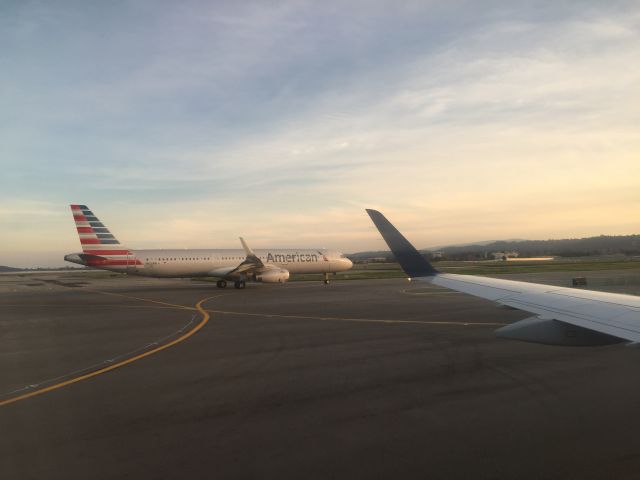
x,y
205,262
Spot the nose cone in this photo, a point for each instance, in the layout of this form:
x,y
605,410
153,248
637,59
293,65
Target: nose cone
x,y
346,263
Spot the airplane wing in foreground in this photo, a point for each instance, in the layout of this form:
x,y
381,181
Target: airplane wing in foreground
x,y
561,316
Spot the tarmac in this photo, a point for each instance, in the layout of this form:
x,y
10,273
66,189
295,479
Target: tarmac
x,y
105,377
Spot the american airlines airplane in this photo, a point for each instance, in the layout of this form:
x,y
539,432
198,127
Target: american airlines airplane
x,y
561,316
100,249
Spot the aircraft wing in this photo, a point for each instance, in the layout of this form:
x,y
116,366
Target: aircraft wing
x,y
609,313
249,265
252,267
562,316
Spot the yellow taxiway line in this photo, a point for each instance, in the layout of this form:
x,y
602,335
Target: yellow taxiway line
x,y
203,322
173,305
360,320
205,318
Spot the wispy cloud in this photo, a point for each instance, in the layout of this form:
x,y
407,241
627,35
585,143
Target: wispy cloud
x,y
190,123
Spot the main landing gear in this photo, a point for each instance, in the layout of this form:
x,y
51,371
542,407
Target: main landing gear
x,y
237,284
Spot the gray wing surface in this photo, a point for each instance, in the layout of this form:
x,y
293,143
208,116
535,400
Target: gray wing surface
x,y
610,314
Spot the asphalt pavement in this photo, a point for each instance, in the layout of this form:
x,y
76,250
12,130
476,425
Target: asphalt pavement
x,y
148,378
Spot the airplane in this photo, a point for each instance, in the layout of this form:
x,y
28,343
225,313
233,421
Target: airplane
x,y
561,316
101,249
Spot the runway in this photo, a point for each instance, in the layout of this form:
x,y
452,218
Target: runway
x,y
106,377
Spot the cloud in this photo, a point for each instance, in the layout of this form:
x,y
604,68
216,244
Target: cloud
x,y
189,124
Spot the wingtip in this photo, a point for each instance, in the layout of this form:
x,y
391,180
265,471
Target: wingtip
x,y
246,247
412,262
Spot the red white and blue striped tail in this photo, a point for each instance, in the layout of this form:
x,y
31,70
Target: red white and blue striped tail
x,y
98,243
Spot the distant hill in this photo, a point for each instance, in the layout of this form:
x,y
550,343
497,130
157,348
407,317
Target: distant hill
x,y
483,243
4,268
570,247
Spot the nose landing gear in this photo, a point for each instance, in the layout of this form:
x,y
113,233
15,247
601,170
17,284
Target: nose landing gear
x,y
326,279
237,284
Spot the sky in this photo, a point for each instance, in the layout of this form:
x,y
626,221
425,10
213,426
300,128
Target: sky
x,y
188,124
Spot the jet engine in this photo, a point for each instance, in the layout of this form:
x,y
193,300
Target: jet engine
x,y
272,275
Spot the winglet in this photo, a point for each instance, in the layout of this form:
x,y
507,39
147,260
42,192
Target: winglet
x,y
411,261
252,259
247,250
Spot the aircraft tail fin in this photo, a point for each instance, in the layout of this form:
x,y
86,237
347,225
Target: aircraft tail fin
x,y
95,238
412,262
